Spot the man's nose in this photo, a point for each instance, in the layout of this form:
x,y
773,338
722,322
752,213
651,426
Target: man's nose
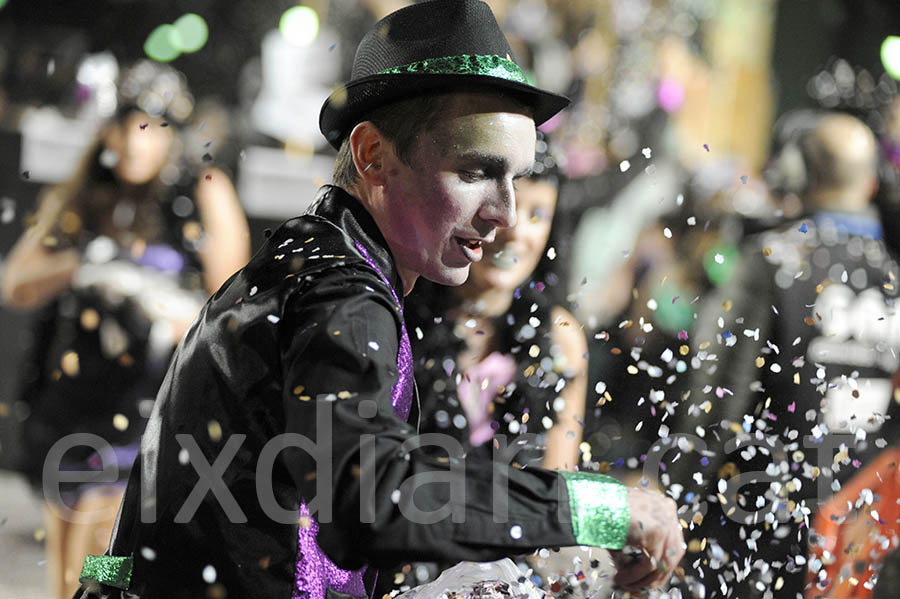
x,y
500,210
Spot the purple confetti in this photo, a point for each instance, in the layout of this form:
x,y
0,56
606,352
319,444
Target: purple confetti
x,y
803,228
682,335
706,147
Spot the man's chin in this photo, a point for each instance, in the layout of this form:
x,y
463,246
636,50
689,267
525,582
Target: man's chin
x,y
450,276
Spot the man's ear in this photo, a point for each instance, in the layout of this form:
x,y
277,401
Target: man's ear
x,y
369,150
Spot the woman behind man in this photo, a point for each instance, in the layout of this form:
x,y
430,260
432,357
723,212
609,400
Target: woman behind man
x,y
499,354
118,259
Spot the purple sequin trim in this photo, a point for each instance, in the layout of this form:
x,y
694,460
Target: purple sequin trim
x,y
403,389
315,572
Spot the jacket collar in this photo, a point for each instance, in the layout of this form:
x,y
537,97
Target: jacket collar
x,y
347,213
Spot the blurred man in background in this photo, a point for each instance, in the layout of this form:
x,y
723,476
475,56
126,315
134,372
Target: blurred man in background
x,y
791,392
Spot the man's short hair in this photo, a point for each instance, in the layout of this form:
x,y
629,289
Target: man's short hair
x,y
401,122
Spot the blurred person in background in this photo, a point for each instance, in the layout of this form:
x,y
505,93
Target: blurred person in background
x,y
790,389
854,532
118,261
853,543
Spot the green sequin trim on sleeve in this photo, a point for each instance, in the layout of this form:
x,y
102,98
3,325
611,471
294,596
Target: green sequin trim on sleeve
x,y
489,65
599,507
108,570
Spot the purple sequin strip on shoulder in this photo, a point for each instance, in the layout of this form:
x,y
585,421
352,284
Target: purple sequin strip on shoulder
x,y
315,572
402,393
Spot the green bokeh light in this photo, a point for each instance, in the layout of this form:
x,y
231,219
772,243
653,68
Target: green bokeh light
x,y
890,55
299,25
163,44
192,32
719,273
3,3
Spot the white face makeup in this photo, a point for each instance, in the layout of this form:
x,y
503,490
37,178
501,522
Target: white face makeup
x,y
458,190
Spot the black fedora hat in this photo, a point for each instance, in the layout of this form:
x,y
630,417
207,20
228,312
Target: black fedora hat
x,y
432,46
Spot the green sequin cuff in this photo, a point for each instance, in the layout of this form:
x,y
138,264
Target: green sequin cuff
x,y
599,507
490,65
107,570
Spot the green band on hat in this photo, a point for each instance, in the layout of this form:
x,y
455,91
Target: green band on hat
x,y
599,506
108,570
489,65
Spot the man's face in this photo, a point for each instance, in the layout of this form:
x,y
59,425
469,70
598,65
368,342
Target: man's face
x,y
457,190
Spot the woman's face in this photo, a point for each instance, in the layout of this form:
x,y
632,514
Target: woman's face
x,y
141,145
510,260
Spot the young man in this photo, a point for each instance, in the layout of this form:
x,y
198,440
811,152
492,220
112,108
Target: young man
x,y
278,461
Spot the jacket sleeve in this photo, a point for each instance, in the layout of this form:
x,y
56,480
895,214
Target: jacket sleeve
x,y
392,495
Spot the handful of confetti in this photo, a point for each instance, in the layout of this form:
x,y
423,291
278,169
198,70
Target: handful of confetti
x,y
472,580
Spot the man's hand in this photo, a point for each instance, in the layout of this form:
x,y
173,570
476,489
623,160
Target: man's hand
x,y
654,545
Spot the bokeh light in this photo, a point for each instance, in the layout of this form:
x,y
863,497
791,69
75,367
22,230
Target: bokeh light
x,y
163,44
299,25
890,55
192,32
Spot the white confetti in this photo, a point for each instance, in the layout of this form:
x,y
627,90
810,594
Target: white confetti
x,y
719,258
624,165
516,532
647,152
667,232
374,345
209,574
551,253
272,318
